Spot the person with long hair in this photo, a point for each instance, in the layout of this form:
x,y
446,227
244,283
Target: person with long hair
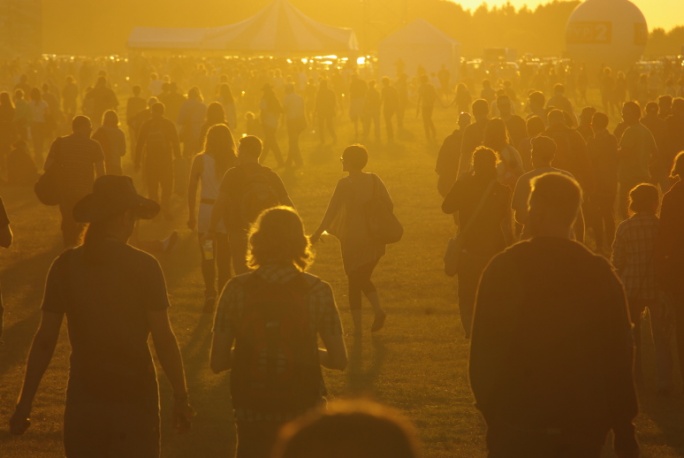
x,y
266,333
114,297
113,142
346,219
226,99
484,221
207,170
510,164
40,111
271,111
215,115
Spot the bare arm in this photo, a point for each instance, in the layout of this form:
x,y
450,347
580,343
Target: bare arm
x,y
334,355
40,355
334,207
166,346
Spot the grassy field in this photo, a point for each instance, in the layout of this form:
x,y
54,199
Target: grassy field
x,y
418,363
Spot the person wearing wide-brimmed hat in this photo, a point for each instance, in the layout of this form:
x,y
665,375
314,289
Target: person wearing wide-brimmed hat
x,y
114,296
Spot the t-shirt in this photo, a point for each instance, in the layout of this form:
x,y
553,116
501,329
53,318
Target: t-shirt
x,y
551,342
77,155
106,302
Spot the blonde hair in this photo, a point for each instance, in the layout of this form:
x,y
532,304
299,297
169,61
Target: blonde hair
x,y
277,236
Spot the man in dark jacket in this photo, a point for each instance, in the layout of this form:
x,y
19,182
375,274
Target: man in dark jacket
x,y
552,352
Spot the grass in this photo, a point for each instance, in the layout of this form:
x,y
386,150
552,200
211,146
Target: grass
x,y
418,363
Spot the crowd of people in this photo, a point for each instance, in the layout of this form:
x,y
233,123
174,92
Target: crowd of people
x,y
560,250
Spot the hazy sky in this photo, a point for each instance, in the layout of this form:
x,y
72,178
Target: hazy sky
x,y
659,13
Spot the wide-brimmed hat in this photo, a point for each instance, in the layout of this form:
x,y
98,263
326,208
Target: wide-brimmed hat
x,y
111,196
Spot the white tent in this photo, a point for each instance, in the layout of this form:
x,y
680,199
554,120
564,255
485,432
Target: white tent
x,y
418,44
278,28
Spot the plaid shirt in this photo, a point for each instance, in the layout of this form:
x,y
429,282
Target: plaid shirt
x,y
633,255
324,317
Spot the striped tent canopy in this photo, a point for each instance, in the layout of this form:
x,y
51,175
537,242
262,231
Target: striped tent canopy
x,y
278,29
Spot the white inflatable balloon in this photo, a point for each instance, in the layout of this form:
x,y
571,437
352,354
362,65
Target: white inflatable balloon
x,y
606,32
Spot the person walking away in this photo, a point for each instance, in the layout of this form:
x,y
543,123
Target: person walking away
x,y
271,111
346,218
207,170
40,111
246,190
112,140
295,121
157,147
490,230
603,154
636,151
448,156
552,352
266,333
634,260
114,297
81,161
389,99
325,110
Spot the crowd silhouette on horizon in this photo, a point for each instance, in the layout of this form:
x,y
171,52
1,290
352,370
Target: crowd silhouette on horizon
x,y
569,229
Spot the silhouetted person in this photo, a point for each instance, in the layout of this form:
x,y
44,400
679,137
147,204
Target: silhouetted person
x,y
636,151
190,120
325,110
390,105
359,429
473,136
543,152
270,112
537,105
427,96
479,197
603,154
8,133
40,111
226,99
346,219
551,353
584,127
266,333
448,156
656,124
172,100
669,252
98,100
561,102
134,106
633,258
81,160
156,149
246,190
114,297
509,166
214,115
206,173
463,100
295,121
571,154
371,112
112,140
357,101
69,97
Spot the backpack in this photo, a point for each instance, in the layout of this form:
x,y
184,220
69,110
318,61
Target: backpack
x,y
276,367
256,195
